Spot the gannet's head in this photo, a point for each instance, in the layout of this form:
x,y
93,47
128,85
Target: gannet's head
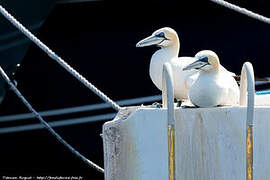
x,y
163,37
206,60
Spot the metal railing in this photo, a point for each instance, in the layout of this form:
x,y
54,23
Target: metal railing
x,y
247,95
168,102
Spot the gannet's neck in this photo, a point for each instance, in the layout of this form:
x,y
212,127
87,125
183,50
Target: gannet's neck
x,y
172,50
165,54
174,46
161,56
213,71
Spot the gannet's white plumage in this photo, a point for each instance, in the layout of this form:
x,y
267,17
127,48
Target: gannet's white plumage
x,y
215,85
167,39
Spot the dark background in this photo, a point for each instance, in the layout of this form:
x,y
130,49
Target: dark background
x,y
98,39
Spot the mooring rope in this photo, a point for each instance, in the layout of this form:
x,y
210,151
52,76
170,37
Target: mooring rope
x,y
46,125
242,11
58,59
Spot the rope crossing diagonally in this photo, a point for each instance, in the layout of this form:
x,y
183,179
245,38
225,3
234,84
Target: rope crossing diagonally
x,y
46,125
72,71
58,59
242,11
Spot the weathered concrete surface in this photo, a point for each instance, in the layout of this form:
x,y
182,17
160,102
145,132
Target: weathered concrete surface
x,y
210,144
136,147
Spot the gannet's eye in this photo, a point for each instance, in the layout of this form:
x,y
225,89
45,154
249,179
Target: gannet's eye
x,y
161,35
204,59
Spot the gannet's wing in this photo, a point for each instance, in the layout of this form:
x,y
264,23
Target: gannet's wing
x,y
189,80
184,61
233,91
223,69
182,79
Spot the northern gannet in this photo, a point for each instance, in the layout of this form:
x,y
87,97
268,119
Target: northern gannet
x,y
215,85
167,39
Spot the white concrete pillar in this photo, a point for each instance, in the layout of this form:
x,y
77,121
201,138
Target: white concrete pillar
x,y
210,144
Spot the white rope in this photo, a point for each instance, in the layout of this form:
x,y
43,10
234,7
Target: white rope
x,y
51,54
47,126
242,11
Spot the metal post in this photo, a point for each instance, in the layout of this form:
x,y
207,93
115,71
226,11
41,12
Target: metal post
x,y
168,102
247,85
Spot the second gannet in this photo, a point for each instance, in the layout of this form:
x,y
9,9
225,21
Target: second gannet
x,y
215,86
167,39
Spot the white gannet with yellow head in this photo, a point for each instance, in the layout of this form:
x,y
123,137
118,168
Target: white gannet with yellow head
x,y
215,86
167,39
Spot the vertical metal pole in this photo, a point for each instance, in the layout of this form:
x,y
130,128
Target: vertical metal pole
x,y
168,102
249,153
247,85
171,149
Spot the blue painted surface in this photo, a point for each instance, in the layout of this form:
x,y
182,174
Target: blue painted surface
x,y
263,92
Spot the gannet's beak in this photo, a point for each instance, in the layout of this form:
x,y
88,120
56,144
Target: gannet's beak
x,y
149,41
201,62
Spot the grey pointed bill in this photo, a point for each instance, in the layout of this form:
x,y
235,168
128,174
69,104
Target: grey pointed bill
x,y
149,41
200,63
